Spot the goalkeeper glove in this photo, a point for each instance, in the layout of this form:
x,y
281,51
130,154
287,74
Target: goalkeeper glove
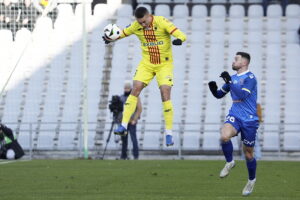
x,y
177,42
106,41
226,77
213,87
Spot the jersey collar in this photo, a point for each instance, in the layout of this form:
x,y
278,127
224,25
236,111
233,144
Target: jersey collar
x,y
243,73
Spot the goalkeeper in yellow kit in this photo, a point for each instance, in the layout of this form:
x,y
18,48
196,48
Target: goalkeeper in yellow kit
x,y
154,33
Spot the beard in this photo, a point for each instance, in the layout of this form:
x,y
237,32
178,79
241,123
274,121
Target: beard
x,y
235,68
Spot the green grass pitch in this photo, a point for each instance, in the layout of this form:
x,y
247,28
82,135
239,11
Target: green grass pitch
x,y
144,180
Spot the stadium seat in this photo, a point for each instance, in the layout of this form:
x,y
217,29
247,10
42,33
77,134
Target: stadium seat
x,y
236,24
191,140
200,1
24,139
235,37
218,15
162,10
78,10
255,11
22,36
5,38
236,11
152,136
162,1
271,140
181,23
198,24
43,27
255,18
125,11
65,18
292,18
255,24
217,24
179,1
45,140
65,10
254,37
292,10
238,1
217,37
274,10
218,11
274,24
236,18
216,61
211,140
102,10
273,37
291,140
199,11
180,11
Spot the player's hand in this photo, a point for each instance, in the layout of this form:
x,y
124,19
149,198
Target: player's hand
x,y
226,77
106,41
177,42
213,86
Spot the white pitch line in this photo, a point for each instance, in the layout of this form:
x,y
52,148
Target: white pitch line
x,y
13,161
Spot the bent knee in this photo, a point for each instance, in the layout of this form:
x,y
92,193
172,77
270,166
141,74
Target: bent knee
x,y
224,138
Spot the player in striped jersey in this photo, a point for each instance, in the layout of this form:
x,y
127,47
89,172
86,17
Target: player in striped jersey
x,y
154,33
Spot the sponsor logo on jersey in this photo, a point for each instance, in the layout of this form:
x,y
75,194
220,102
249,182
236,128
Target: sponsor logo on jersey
x,y
153,43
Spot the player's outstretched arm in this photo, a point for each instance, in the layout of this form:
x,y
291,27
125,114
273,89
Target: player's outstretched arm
x,y
173,30
181,37
214,90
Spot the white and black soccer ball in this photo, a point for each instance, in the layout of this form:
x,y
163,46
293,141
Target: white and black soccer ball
x,y
112,32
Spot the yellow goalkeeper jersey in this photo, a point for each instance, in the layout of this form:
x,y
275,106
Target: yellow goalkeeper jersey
x,y
155,40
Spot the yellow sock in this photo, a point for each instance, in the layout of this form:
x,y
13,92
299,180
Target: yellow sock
x,y
129,108
168,114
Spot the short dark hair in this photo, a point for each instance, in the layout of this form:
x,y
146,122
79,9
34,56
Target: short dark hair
x,y
244,55
140,12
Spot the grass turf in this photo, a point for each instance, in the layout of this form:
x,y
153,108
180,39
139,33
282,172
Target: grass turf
x,y
144,180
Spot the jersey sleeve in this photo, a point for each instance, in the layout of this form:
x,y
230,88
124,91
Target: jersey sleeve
x,y
225,88
172,29
129,30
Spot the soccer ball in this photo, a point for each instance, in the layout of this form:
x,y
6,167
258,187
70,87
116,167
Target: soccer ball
x,y
112,32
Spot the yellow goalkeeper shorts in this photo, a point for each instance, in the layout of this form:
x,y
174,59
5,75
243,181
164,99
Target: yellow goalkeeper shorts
x,y
163,72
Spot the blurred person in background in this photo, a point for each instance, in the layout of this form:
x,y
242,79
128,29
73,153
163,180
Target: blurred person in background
x,y
131,127
29,14
10,16
9,146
